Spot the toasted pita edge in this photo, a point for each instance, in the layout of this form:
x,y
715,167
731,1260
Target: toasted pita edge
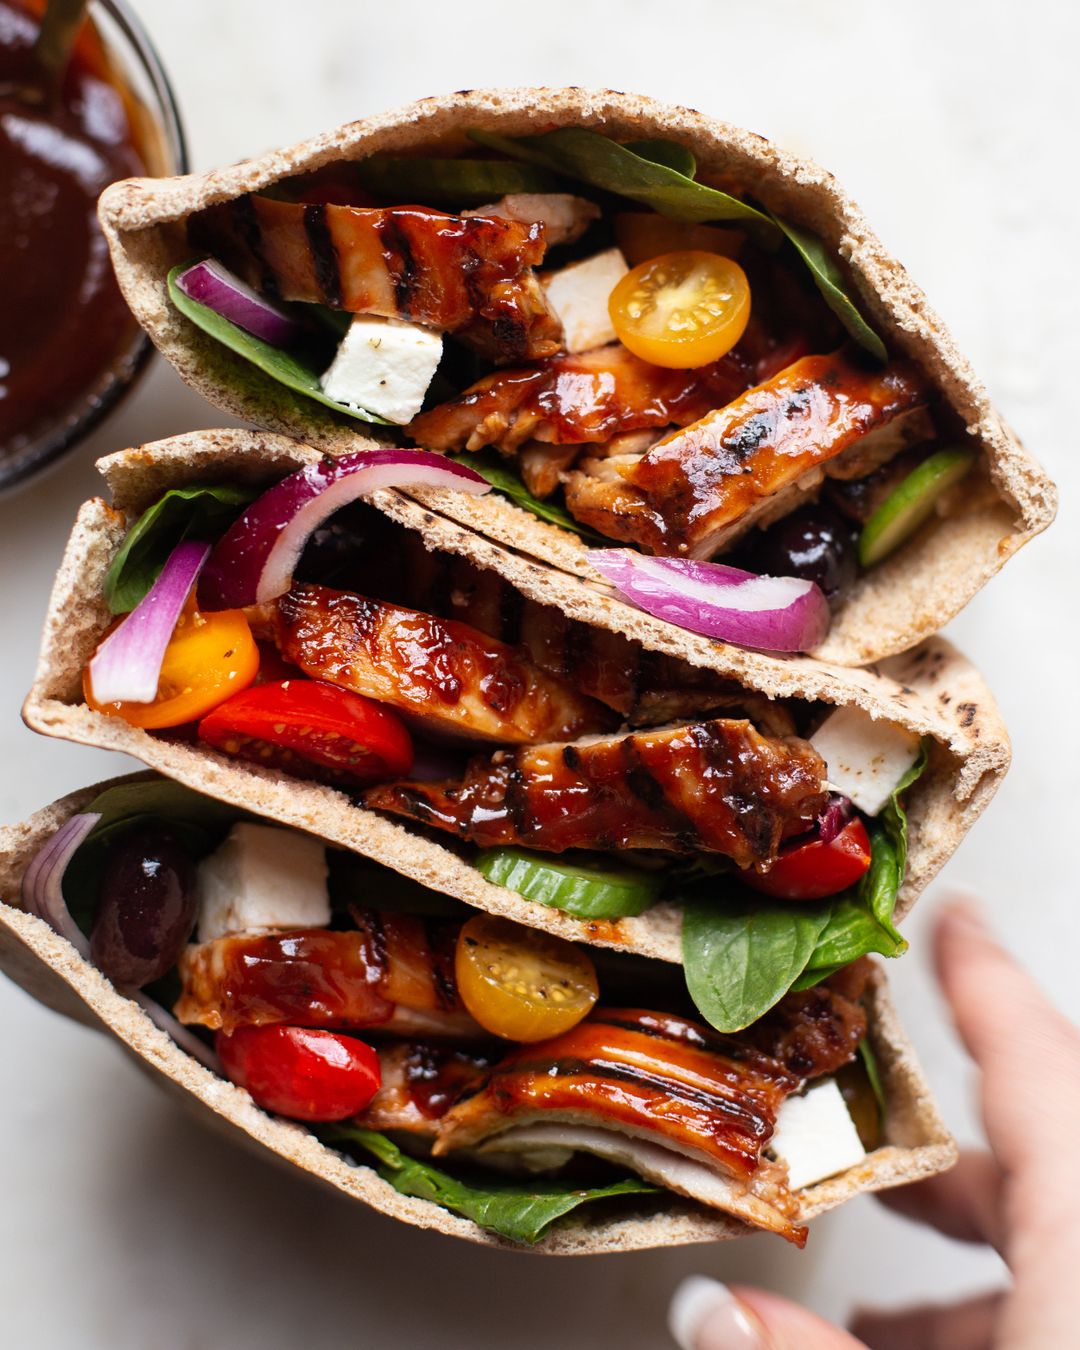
x,y
891,609
50,970
933,691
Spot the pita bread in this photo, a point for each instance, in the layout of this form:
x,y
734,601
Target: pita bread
x,y
891,609
917,1143
933,691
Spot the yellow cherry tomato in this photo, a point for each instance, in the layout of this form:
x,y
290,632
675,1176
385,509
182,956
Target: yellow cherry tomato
x,y
681,310
209,657
520,984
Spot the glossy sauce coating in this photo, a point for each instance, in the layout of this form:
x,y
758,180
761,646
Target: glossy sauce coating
x,y
420,1083
395,972
442,671
573,399
63,322
679,496
715,786
641,1072
469,276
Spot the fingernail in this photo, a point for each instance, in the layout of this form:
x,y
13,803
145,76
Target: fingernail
x,y
705,1315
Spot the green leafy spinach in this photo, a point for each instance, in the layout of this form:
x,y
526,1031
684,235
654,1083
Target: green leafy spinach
x,y
451,182
203,511
522,1213
504,478
294,369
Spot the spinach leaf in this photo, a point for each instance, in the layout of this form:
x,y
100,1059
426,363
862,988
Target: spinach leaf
x,y
295,370
894,818
451,182
204,511
669,153
504,478
200,823
829,280
519,1212
741,960
603,163
873,1074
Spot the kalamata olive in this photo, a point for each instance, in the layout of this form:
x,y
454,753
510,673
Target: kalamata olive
x,y
815,543
146,907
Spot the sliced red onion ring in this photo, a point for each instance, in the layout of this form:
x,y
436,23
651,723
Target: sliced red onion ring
x,y
127,665
218,289
838,811
42,883
254,560
774,614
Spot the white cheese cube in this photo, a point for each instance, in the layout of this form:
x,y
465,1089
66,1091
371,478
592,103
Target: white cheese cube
x,y
816,1136
262,877
579,295
865,759
383,366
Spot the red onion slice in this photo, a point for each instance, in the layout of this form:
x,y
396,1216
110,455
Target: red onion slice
x,y
42,883
218,289
127,665
254,560
774,614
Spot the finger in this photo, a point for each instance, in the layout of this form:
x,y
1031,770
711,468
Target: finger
x,y
964,1203
707,1315
961,1326
1028,1053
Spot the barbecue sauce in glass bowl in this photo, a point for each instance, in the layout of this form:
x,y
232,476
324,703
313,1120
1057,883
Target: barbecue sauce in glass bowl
x,y
68,344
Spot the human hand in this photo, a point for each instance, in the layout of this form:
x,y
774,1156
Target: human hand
x,y
1021,1197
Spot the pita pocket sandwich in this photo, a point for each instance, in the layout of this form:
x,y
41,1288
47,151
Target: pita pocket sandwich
x,y
665,342
453,1070
277,631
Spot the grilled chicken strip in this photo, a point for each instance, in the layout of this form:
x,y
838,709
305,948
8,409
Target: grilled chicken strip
x,y
395,972
445,672
470,277
714,787
569,400
563,216
686,493
420,1083
646,687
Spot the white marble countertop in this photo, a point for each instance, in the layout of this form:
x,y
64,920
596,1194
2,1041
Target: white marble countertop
x,y
122,1223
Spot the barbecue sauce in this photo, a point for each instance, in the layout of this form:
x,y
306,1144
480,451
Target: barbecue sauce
x,y
63,322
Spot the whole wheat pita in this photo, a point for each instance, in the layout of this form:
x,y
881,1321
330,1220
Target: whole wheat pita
x,y
933,691
892,607
916,1142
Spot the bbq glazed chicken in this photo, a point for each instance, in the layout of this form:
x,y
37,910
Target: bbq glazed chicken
x,y
689,386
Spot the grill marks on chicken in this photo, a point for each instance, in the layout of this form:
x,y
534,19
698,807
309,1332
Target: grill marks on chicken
x,y
713,787
643,686
684,495
420,1083
395,972
569,400
470,277
443,671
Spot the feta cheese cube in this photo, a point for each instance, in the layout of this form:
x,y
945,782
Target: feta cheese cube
x,y
865,758
262,877
816,1136
579,296
383,366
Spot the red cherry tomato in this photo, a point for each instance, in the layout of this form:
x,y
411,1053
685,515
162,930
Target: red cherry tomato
x,y
300,1073
312,730
814,870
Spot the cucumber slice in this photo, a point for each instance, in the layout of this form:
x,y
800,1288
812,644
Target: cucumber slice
x,y
911,504
586,892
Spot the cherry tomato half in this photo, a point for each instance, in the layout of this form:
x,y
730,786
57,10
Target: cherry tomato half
x,y
520,984
681,310
300,1073
209,657
312,730
814,870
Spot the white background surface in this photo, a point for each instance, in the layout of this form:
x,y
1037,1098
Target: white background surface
x,y
123,1225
